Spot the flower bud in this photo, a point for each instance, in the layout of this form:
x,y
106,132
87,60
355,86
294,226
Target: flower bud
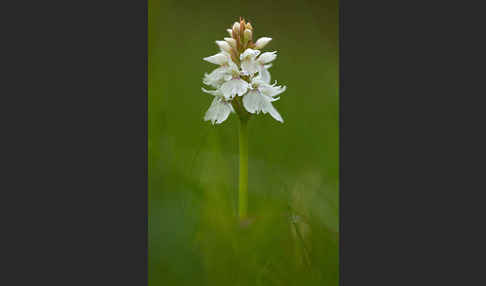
x,y
242,26
262,42
247,35
224,46
248,26
236,28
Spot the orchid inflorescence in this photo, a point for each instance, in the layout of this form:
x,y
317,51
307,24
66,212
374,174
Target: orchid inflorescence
x,y
242,81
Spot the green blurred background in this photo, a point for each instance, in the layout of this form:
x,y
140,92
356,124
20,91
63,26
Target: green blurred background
x,y
194,237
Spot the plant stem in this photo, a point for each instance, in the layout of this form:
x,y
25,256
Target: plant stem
x,y
243,177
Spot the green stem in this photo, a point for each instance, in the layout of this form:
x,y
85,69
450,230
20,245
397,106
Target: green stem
x,y
243,178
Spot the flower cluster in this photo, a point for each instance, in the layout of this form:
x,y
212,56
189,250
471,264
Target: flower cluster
x,y
242,81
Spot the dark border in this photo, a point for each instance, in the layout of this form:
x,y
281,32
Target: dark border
x,y
78,176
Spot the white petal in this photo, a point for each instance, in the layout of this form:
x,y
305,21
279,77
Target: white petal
x,y
228,77
249,53
216,77
271,90
267,57
224,46
232,67
218,59
255,102
274,113
218,111
257,81
230,32
252,101
264,74
262,42
231,42
249,66
234,87
278,90
216,92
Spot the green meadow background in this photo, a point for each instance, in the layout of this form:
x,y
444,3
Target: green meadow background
x,y
194,236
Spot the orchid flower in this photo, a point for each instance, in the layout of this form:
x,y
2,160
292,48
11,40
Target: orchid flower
x,y
241,80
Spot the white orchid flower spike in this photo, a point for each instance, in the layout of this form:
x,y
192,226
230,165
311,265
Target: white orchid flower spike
x,y
241,81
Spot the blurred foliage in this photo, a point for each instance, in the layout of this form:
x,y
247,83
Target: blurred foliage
x,y
194,237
